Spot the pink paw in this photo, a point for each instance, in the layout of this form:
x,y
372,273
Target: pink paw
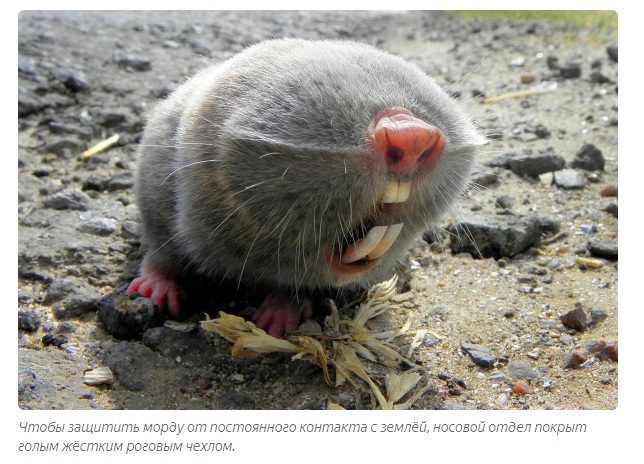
x,y
159,287
279,315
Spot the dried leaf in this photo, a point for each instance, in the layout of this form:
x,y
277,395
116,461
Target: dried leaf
x,y
398,385
418,339
331,406
342,344
376,302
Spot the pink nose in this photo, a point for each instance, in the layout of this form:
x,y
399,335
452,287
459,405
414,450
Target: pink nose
x,y
405,141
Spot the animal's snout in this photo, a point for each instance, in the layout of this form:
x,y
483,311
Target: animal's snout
x,y
405,141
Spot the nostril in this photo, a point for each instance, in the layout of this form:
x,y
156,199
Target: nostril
x,y
404,141
394,154
434,149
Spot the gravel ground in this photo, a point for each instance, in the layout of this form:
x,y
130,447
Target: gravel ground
x,y
530,324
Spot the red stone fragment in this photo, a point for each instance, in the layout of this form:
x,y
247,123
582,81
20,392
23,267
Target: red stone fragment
x,y
204,383
609,191
611,350
522,388
576,359
596,346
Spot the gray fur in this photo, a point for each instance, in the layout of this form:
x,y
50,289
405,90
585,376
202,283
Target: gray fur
x,y
256,166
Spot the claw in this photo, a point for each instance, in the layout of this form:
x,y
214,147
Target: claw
x,y
160,287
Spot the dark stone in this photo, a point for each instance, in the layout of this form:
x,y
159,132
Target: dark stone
x,y
96,181
542,132
504,202
570,70
575,319
66,327
77,82
138,64
611,208
495,133
28,103
131,229
68,200
521,370
54,339
612,52
549,225
494,236
599,78
534,165
553,63
603,249
434,236
127,318
532,269
59,289
90,223
589,157
569,179
575,359
480,355
28,320
56,127
502,161
113,117
82,301
121,181
510,313
484,176
597,315
65,148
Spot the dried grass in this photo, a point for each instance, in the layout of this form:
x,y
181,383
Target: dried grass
x,y
344,344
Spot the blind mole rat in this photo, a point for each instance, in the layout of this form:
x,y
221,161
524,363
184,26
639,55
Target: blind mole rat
x,y
301,164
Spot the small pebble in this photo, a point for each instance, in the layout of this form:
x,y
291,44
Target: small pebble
x,y
575,319
609,191
611,208
611,350
522,388
575,359
589,263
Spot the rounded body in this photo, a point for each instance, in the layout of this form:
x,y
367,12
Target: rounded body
x,y
265,168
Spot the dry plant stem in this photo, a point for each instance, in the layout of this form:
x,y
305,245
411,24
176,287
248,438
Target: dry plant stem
x,y
99,147
342,344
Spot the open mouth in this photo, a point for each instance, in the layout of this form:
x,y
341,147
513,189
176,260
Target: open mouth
x,y
362,248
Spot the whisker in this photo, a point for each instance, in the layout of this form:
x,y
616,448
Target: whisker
x,y
187,166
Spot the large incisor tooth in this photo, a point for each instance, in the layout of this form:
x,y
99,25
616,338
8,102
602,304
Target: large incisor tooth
x,y
404,187
387,240
391,193
361,248
397,191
